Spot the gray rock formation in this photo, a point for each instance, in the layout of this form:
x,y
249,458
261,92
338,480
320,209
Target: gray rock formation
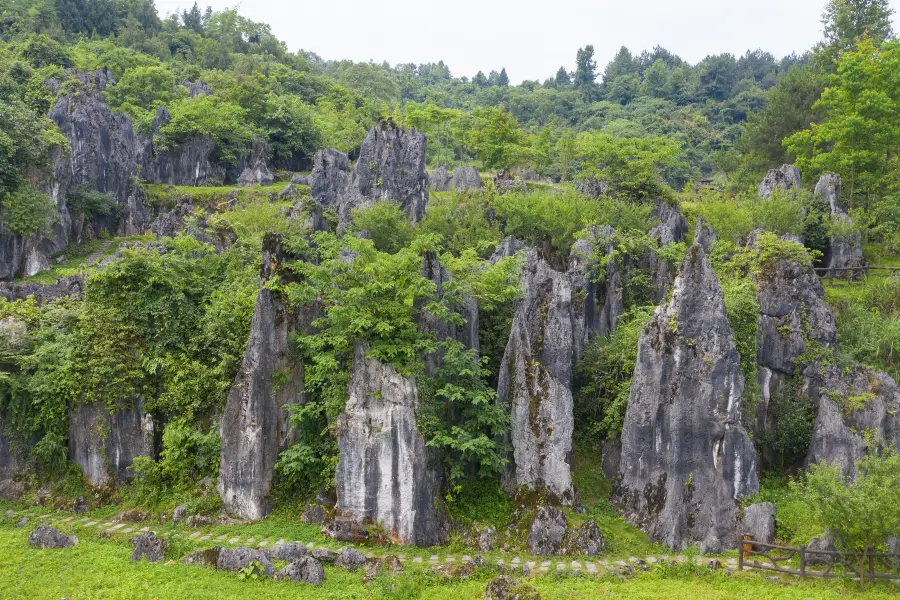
x,y
786,178
385,474
235,559
197,88
299,179
10,468
466,307
611,457
597,305
704,235
465,179
185,218
46,537
686,458
852,406
70,285
759,521
529,175
592,188
289,552
150,547
505,587
203,558
846,251
823,543
257,173
536,379
391,166
672,228
104,445
255,426
350,559
586,540
305,570
187,164
505,181
330,178
439,180
548,532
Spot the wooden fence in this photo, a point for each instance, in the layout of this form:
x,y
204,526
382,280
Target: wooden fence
x,y
783,559
850,274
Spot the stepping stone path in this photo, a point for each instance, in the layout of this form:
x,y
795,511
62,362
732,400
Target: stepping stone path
x,y
97,254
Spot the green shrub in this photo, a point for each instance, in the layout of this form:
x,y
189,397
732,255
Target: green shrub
x,y
27,211
387,225
223,122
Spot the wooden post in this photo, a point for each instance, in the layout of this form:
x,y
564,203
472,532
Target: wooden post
x,y
802,562
748,547
740,558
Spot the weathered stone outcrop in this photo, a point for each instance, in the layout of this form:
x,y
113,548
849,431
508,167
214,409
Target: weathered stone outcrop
x,y
704,235
785,178
592,188
548,532
149,547
505,181
197,88
385,474
10,468
505,587
105,444
686,458
235,559
597,306
759,522
536,379
306,570
47,537
70,285
671,229
852,406
439,180
186,164
186,218
391,167
256,426
466,307
465,179
257,173
846,251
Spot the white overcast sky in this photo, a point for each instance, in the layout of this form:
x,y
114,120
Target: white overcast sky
x,y
532,40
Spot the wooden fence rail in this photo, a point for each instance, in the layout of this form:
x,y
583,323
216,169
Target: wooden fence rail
x,y
772,557
849,274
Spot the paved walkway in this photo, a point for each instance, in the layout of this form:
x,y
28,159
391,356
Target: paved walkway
x,y
98,254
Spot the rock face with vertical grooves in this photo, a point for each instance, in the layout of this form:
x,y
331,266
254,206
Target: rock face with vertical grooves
x,y
466,307
256,426
186,164
785,178
597,306
671,229
385,474
465,178
10,466
844,252
257,173
439,180
536,379
391,167
686,458
105,444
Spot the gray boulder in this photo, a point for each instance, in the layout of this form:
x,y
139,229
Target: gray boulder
x,y
187,164
104,445
711,544
21,522
548,530
785,178
70,285
47,537
330,178
465,179
197,88
289,552
299,179
505,587
345,529
150,547
385,474
686,457
611,457
204,558
305,570
759,521
185,218
536,380
823,543
240,558
313,515
350,559
586,540
323,554
256,427
179,513
439,180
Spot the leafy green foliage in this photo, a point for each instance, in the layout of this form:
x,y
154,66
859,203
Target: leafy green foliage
x,y
862,513
27,211
188,456
140,91
794,416
387,226
225,123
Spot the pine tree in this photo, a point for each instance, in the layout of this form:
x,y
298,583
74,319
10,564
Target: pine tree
x,y
847,20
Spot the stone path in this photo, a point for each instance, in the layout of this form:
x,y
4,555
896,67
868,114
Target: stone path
x,y
97,254
518,564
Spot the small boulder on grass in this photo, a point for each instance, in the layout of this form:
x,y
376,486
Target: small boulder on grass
x,y
206,558
289,552
240,558
150,547
22,522
350,559
376,567
306,570
507,588
46,537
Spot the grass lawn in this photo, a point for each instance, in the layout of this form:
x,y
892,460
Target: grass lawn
x,y
102,569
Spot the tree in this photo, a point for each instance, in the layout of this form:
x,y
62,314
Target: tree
x,y
480,80
656,79
503,78
496,138
621,78
845,21
291,129
718,74
562,79
861,514
585,71
141,91
223,122
859,137
193,18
